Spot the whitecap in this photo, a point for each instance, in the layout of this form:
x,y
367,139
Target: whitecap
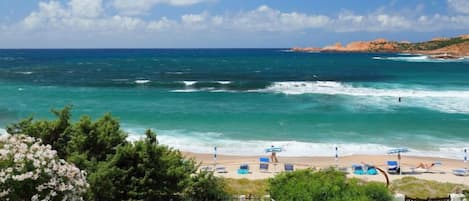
x,y
420,58
224,82
185,90
142,81
189,83
24,72
448,101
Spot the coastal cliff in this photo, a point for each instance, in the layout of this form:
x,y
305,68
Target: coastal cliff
x,y
450,47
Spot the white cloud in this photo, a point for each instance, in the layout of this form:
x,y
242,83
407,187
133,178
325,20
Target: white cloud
x,y
90,18
89,15
77,15
461,6
139,7
161,25
265,18
193,18
86,8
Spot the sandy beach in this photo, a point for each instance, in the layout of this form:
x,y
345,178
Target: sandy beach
x,y
441,173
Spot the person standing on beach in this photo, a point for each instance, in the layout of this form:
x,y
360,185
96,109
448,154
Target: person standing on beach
x,y
273,156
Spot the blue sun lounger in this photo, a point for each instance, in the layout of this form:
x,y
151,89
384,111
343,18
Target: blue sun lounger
x,y
358,169
243,169
263,164
288,167
393,167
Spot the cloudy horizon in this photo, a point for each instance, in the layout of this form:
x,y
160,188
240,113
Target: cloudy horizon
x,y
218,23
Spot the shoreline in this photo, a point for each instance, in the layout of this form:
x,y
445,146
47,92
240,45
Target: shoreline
x,y
441,173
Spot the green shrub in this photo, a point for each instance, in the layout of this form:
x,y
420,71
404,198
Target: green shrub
x,y
143,170
205,187
325,185
420,188
245,186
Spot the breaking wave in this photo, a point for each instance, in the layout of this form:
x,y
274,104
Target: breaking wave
x,y
203,142
421,58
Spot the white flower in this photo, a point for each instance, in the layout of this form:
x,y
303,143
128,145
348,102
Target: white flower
x,y
64,180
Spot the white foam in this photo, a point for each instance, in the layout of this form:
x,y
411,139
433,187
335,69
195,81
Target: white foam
x,y
25,72
420,58
189,83
3,131
224,82
333,88
199,142
449,101
142,81
185,90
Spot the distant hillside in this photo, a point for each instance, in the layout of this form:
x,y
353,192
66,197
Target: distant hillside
x,y
456,46
434,44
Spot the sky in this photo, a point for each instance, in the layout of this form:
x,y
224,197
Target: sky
x,y
224,23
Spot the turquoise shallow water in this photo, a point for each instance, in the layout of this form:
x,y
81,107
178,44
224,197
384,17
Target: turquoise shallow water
x,y
243,100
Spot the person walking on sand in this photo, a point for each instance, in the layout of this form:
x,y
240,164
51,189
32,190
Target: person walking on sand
x,y
273,155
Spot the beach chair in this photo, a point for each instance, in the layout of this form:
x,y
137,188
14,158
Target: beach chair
x,y
206,169
371,170
243,169
288,167
393,167
264,167
358,169
221,169
461,172
263,164
264,160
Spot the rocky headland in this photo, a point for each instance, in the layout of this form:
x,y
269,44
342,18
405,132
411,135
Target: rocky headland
x,y
440,47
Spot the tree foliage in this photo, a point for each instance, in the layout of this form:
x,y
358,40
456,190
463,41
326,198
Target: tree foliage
x,y
206,187
117,169
145,169
326,185
54,133
92,142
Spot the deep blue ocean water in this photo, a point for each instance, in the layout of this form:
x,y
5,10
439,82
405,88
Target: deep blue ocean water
x,y
243,100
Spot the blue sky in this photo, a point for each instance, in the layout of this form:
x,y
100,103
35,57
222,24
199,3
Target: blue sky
x,y
223,23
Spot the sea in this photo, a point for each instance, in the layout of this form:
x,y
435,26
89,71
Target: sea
x,y
245,100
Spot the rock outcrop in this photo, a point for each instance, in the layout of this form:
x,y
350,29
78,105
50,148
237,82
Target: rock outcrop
x,y
457,46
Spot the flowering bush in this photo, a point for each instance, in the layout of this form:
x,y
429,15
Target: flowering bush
x,y
32,171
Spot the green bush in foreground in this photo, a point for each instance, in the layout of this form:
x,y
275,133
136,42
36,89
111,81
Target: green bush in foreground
x,y
204,186
117,169
420,188
325,185
142,170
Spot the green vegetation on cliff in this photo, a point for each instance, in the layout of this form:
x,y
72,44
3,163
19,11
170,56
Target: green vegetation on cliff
x,y
431,45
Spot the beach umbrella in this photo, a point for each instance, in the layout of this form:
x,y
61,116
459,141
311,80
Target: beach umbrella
x,y
215,155
273,149
336,156
398,151
465,155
